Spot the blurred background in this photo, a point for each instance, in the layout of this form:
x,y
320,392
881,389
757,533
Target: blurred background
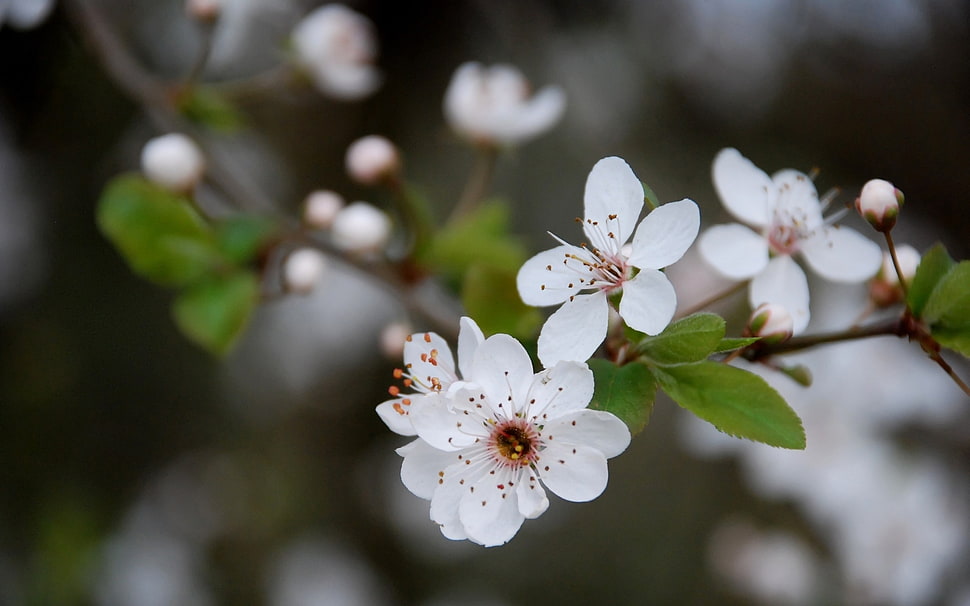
x,y
138,470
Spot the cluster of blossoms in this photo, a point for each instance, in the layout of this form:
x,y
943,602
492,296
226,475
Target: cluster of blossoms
x,y
491,433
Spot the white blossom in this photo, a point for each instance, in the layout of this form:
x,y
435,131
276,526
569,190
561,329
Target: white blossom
x,y
360,227
785,216
494,105
321,207
879,203
337,48
429,368
372,159
302,270
173,161
583,278
25,14
488,444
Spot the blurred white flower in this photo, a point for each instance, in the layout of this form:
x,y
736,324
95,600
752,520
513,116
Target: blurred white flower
x,y
337,48
786,215
582,278
173,161
494,105
25,14
393,338
360,228
321,207
884,289
483,447
429,368
302,270
372,159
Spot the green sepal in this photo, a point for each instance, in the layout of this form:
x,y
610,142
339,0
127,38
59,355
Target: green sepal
x,y
489,295
213,312
650,197
735,401
731,343
690,339
206,107
242,238
626,391
158,232
934,264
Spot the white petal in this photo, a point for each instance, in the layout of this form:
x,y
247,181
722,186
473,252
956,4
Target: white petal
x,y
397,418
503,369
439,425
744,189
427,356
453,483
489,511
841,254
796,200
421,467
592,428
734,251
565,387
611,190
533,501
574,472
648,302
470,336
665,234
548,277
531,118
575,330
784,283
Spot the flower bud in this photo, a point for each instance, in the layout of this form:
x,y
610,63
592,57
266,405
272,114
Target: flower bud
x,y
771,322
884,289
173,161
204,11
372,159
879,204
321,207
302,270
336,47
393,337
360,228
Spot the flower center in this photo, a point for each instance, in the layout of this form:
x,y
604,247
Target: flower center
x,y
515,441
784,238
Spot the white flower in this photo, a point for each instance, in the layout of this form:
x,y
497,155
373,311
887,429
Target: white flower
x,y
337,48
484,447
494,106
372,159
303,269
25,14
879,203
360,227
173,161
785,211
321,207
429,368
584,277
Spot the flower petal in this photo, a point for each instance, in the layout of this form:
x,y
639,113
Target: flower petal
x,y
784,283
648,302
395,415
503,369
575,330
489,511
565,387
574,472
745,190
470,336
453,484
422,465
612,203
531,118
841,254
734,251
596,429
547,278
533,501
796,200
665,234
439,425
427,357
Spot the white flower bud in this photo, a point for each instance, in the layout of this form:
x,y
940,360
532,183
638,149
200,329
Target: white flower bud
x,y
393,337
879,204
361,228
321,207
884,289
206,11
772,322
372,159
302,270
173,161
337,48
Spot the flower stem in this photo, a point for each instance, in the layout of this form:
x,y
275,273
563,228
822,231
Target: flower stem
x,y
759,350
478,182
896,266
936,357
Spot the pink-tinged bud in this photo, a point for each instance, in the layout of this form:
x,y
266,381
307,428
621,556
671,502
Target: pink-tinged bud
x,y
173,161
884,289
303,269
771,322
372,160
204,11
879,204
360,228
321,207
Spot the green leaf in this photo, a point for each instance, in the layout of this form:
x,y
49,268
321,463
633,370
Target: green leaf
x,y
205,106
214,312
690,339
626,391
737,402
936,262
956,339
242,238
732,343
948,306
489,295
159,233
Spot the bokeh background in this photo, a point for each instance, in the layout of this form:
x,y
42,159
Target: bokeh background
x,y
138,470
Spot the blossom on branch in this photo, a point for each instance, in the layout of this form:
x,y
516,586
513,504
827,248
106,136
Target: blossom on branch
x,y
785,218
585,278
488,444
